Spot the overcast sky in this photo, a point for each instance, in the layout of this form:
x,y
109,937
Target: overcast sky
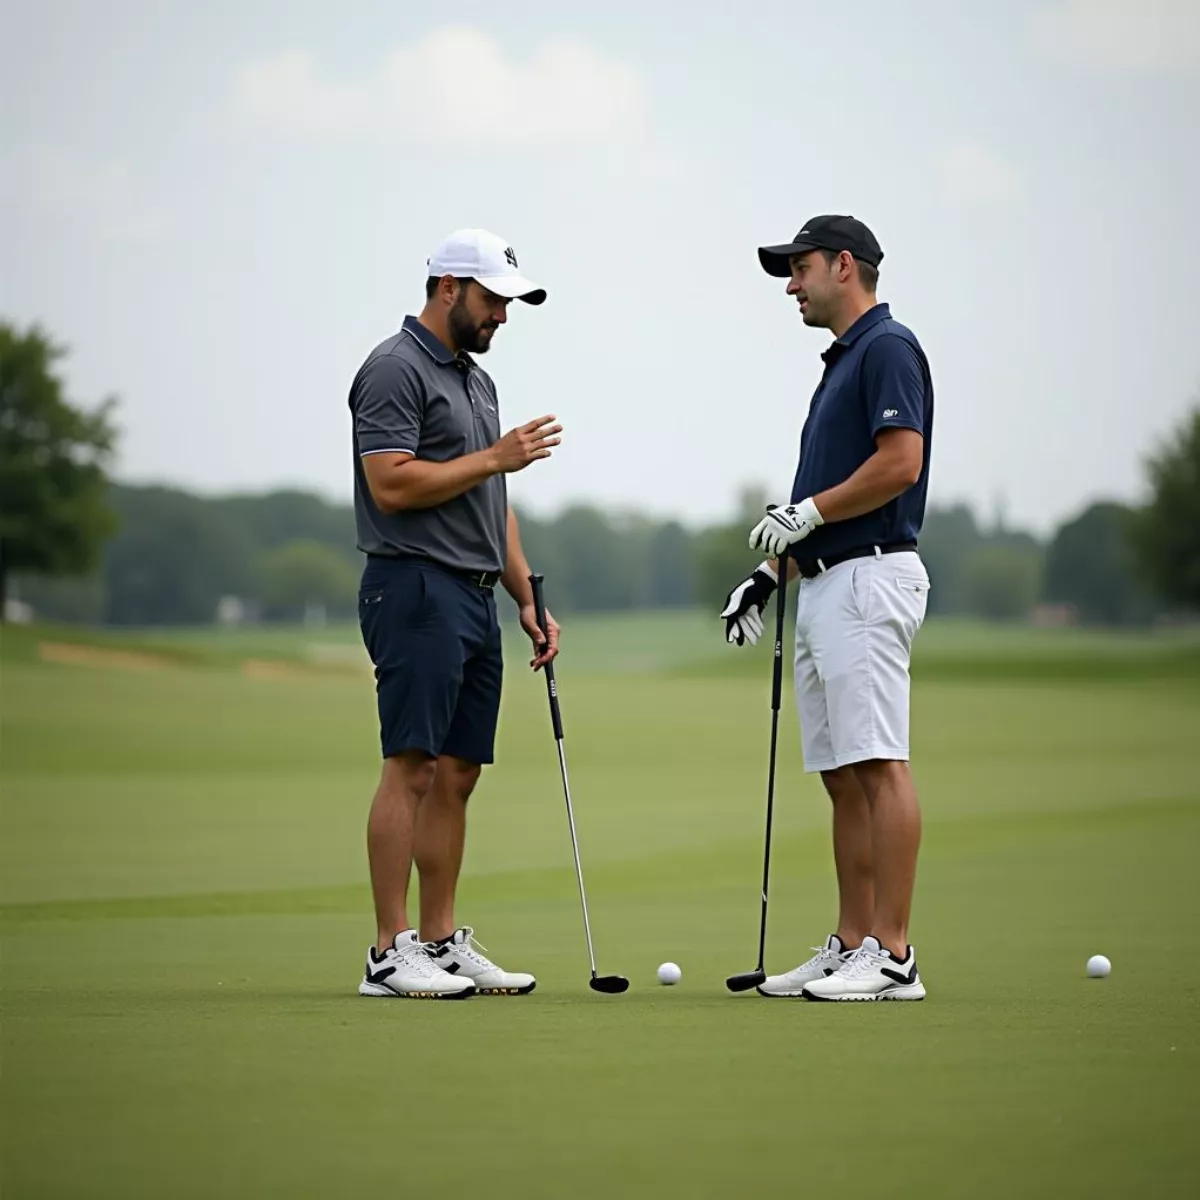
x,y
222,207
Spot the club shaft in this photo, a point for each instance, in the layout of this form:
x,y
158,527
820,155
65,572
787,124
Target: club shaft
x,y
587,924
539,602
776,694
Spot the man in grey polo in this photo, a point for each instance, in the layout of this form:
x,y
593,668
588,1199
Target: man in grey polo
x,y
433,518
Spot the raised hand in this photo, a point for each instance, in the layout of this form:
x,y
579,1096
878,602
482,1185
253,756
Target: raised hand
x,y
526,444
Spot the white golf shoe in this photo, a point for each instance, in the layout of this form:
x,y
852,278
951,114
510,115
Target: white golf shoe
x,y
871,974
459,955
829,958
407,970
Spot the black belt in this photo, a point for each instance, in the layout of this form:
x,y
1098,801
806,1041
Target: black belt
x,y
810,568
479,579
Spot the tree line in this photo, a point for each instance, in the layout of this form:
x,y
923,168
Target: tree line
x,y
78,546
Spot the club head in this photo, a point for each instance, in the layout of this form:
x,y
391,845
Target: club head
x,y
743,983
612,985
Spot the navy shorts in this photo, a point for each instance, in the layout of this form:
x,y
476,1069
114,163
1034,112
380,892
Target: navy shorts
x,y
435,641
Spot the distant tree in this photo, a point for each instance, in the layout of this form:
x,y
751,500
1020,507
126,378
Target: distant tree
x,y
176,555
721,552
275,518
71,599
1001,583
670,569
53,461
597,573
948,538
306,573
1090,564
1166,533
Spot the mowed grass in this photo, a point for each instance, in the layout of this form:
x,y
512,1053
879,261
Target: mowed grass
x,y
182,874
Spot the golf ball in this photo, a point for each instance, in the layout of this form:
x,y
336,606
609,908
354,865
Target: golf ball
x,y
1098,966
669,973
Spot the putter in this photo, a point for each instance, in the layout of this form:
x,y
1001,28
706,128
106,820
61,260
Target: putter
x,y
610,984
743,983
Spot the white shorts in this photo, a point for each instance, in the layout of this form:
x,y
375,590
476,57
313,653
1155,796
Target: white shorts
x,y
855,625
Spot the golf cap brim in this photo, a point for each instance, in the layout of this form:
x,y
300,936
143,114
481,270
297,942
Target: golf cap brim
x,y
513,287
774,259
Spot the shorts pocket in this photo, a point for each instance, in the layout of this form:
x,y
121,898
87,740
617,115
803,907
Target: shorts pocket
x,y
386,611
913,583
914,599
861,586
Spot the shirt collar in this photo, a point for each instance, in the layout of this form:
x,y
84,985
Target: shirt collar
x,y
872,317
433,345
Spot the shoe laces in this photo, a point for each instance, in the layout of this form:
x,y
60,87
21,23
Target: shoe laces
x,y
821,955
467,948
418,958
862,962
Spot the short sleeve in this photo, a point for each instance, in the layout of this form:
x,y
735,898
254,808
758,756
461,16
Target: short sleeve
x,y
388,403
894,376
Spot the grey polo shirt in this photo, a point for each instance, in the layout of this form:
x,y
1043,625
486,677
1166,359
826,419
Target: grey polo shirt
x,y
413,395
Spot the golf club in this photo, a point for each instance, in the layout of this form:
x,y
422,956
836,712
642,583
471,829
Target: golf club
x,y
611,984
743,983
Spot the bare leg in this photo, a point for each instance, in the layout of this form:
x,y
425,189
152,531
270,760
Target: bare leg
x,y
896,838
852,855
440,837
405,780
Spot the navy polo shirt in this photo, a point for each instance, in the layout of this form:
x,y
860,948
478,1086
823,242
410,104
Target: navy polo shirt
x,y
876,377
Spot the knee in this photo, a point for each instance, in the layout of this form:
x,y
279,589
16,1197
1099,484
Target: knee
x,y
842,786
411,772
880,773
458,778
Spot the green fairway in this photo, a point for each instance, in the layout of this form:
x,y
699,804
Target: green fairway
x,y
185,914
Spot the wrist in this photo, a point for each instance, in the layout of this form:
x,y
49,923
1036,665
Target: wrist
x,y
766,568
809,511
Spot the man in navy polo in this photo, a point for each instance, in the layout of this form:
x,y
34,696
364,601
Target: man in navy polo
x,y
850,534
433,518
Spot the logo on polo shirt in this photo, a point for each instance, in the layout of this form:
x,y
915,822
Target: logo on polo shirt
x,y
511,255
889,413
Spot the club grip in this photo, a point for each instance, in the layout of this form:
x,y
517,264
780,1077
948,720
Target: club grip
x,y
539,608
537,582
780,614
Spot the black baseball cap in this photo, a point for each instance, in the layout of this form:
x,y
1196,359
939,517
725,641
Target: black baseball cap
x,y
828,232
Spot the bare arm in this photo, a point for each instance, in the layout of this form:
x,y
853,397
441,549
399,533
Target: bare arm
x,y
515,578
516,570
403,481
891,470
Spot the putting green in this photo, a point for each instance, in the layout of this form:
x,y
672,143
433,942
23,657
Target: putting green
x,y
184,919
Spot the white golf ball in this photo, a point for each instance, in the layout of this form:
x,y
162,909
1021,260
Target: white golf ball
x,y
1098,966
669,973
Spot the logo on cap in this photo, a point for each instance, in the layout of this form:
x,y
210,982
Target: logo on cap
x,y
511,255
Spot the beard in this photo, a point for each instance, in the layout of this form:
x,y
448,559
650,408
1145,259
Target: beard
x,y
468,334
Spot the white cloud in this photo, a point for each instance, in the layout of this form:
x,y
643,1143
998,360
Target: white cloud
x,y
455,86
1119,35
975,178
100,199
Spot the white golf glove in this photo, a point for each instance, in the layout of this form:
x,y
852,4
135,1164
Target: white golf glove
x,y
783,527
745,604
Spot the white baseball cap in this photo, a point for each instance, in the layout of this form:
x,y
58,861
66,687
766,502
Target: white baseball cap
x,y
489,260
